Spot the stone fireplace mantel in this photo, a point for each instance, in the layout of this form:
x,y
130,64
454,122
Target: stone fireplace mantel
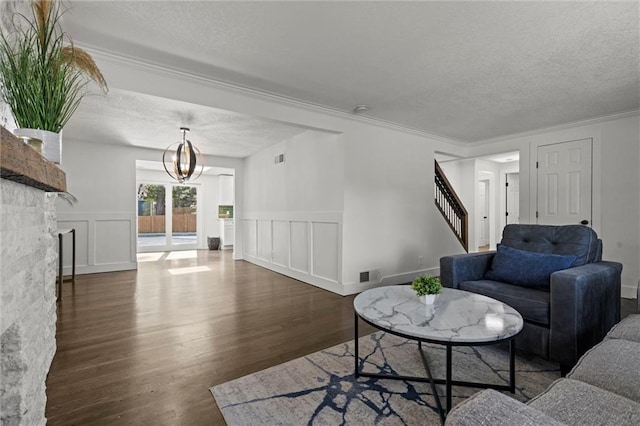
x,y
28,187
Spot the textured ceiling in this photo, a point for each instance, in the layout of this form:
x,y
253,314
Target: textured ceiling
x,y
147,121
466,70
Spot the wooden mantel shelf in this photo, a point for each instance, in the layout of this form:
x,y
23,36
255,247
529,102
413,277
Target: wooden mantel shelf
x,y
22,164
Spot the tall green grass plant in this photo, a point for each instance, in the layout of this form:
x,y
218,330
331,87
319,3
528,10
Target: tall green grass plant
x,y
43,77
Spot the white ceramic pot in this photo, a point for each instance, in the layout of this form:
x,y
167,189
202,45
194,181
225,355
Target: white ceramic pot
x,y
428,299
51,142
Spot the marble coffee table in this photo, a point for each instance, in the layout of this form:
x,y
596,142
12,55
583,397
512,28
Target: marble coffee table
x,y
457,318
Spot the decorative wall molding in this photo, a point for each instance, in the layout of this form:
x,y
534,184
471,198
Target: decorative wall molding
x,y
182,74
307,246
105,241
560,127
304,245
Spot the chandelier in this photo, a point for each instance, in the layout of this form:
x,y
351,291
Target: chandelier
x,y
186,160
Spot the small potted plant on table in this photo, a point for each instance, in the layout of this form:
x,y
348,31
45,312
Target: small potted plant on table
x,y
427,287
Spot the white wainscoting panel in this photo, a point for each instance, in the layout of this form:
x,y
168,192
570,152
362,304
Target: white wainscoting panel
x,y
299,246
325,250
264,240
304,245
250,237
280,243
112,245
105,241
82,243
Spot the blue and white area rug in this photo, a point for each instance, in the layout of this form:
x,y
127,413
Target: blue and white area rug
x,y
320,389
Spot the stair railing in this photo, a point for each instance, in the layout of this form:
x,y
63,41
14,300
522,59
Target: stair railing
x,y
451,207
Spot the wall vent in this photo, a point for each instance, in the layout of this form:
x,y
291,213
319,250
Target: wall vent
x,y
364,277
278,159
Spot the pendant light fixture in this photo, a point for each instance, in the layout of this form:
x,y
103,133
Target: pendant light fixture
x,y
186,161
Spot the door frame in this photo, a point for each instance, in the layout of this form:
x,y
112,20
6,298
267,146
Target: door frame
x,y
488,201
168,246
505,205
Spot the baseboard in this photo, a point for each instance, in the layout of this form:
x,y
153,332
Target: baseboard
x,y
405,277
629,291
322,283
96,269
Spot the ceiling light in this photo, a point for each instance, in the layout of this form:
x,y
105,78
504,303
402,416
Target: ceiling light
x,y
360,108
184,160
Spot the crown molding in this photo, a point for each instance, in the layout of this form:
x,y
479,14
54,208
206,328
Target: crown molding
x,y
590,121
264,95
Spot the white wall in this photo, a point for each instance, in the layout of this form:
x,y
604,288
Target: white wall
x,y
344,204
226,189
452,170
293,210
620,198
616,183
103,179
391,224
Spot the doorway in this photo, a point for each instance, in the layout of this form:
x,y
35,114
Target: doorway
x,y
484,219
167,217
512,211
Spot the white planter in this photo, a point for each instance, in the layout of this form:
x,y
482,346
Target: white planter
x,y
428,299
51,142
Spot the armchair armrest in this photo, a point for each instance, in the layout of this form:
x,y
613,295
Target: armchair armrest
x,y
464,267
493,408
585,304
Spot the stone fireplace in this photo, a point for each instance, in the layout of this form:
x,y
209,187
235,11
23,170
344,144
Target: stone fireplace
x,y
27,279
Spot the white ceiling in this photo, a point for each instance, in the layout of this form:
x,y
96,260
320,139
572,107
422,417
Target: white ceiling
x,y
152,122
470,71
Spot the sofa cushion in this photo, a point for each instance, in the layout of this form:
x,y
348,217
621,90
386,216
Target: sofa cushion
x,y
628,329
526,268
611,365
493,408
577,403
532,304
578,240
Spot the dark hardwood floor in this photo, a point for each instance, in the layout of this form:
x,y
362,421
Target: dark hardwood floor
x,y
143,347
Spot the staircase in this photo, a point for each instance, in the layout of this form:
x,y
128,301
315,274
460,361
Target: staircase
x,y
451,207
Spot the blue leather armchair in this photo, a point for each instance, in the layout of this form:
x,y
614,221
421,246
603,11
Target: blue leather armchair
x,y
565,319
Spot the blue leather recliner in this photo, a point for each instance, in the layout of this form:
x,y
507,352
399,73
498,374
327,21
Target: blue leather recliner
x,y
564,315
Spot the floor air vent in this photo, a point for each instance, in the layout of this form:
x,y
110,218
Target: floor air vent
x,y
364,277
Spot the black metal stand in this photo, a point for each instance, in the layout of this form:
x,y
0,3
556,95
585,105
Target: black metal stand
x,y
61,278
448,382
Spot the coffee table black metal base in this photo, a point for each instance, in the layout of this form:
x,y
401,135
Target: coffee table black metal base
x,y
448,382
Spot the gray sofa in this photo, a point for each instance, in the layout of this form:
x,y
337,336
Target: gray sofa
x,y
563,318
602,389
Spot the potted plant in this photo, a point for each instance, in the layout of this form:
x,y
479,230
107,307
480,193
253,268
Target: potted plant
x,y
43,76
427,287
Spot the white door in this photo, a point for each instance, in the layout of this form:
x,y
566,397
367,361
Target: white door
x,y
483,211
513,198
564,183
